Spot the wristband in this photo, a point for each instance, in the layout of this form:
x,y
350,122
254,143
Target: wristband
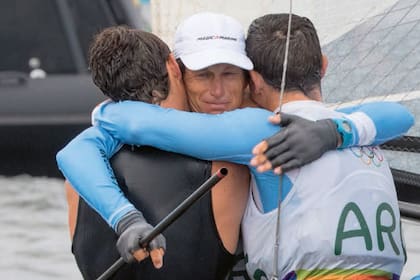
x,y
344,128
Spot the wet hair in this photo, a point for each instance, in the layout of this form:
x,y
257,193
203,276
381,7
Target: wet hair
x,y
129,64
266,44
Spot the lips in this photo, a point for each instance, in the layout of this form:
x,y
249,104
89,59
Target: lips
x,y
218,107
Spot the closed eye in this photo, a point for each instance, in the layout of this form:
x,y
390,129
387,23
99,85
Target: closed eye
x,y
203,74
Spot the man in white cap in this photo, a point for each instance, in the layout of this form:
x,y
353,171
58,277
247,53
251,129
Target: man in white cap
x,y
213,62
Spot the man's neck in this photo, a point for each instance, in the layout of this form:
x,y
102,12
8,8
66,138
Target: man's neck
x,y
247,101
295,95
288,96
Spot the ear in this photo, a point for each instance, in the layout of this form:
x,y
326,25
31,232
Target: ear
x,y
255,82
324,65
173,67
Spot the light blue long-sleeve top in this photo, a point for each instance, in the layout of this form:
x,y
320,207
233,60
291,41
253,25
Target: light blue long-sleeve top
x,y
225,137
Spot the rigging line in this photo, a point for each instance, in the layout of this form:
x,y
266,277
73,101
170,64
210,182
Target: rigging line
x,y
286,54
276,248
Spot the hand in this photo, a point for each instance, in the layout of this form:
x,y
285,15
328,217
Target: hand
x,y
300,141
131,229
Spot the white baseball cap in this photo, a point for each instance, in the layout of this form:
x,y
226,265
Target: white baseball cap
x,y
205,39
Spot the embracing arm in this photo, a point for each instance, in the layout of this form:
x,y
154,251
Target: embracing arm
x,y
84,162
232,135
281,152
378,122
229,136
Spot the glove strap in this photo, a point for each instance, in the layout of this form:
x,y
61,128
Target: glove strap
x,y
345,129
129,219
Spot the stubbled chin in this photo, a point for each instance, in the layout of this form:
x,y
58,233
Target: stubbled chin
x,y
216,112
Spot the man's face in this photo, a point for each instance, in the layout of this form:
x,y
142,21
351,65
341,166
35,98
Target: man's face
x,y
215,89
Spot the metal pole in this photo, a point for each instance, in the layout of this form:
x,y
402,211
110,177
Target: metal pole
x,y
171,217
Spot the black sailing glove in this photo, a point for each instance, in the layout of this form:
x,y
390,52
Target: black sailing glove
x,y
131,229
301,141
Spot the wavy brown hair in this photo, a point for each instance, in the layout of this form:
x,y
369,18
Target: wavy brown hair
x,y
129,64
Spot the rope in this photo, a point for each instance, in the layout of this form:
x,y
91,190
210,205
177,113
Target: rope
x,y
276,248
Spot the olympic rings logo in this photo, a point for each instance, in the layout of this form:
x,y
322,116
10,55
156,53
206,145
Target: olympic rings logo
x,y
368,155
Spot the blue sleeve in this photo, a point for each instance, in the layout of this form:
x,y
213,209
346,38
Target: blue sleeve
x,y
227,137
84,162
391,119
210,136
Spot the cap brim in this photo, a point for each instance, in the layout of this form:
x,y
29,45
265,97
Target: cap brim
x,y
206,58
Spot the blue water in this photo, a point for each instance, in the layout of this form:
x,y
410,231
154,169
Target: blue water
x,y
34,240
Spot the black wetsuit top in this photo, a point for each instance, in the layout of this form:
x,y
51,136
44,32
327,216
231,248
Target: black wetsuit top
x,y
156,182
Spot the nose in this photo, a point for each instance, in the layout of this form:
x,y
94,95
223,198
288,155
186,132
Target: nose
x,y
217,87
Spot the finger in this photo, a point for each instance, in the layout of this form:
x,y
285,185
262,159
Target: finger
x,y
287,119
264,167
258,160
277,138
278,170
282,160
157,257
158,242
260,148
274,119
277,151
140,254
292,164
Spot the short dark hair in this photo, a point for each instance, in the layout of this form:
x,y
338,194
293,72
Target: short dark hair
x,y
266,44
129,64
